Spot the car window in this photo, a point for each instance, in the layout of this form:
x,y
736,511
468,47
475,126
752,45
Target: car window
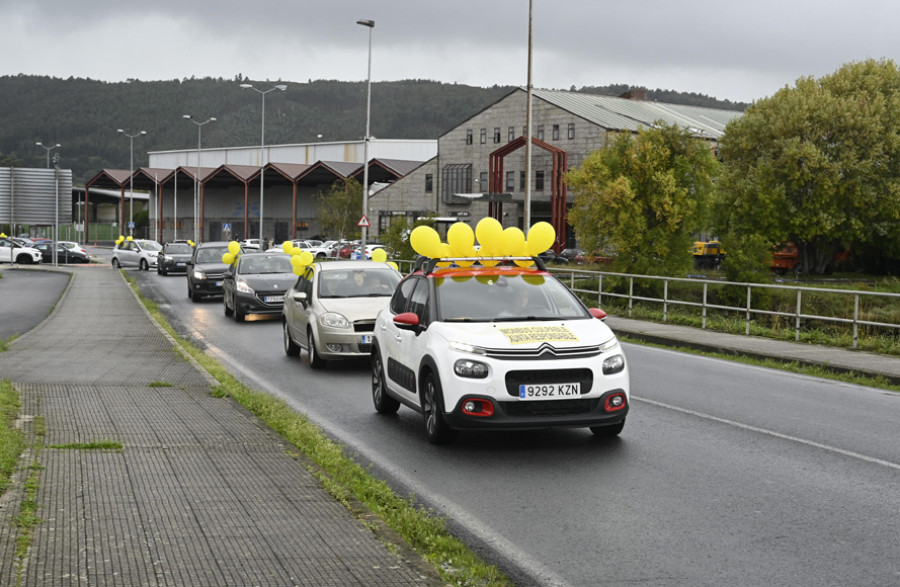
x,y
418,301
179,249
400,300
210,255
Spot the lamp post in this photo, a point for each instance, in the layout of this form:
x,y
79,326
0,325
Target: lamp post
x,y
48,149
197,177
262,149
527,202
131,179
370,24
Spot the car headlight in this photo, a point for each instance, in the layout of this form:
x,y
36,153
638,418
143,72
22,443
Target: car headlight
x,y
464,347
199,275
470,368
243,287
609,345
334,320
613,364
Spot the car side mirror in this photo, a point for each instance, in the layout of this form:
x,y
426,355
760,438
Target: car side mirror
x,y
598,313
300,296
407,321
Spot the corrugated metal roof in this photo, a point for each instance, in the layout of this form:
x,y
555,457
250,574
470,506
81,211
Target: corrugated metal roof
x,y
623,114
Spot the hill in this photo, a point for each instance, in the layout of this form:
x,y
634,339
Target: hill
x,y
83,115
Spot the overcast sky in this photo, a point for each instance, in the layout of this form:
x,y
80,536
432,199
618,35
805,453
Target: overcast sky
x,y
736,50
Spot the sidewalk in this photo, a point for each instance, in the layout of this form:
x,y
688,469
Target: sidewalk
x,y
201,492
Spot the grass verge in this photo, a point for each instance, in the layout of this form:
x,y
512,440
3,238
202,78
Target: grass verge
x,y
344,478
12,440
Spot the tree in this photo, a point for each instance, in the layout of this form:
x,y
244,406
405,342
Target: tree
x,y
643,196
340,209
817,165
396,237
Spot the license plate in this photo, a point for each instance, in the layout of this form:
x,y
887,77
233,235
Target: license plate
x,y
549,391
366,339
218,284
179,264
272,299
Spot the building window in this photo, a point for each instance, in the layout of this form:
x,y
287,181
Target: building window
x,y
571,130
456,179
521,181
483,186
555,132
468,136
483,136
510,181
540,132
511,134
538,181
429,183
496,134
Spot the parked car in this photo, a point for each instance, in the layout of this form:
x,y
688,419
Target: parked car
x,y
323,249
250,243
13,252
73,245
256,284
63,255
549,256
206,270
491,348
370,248
174,258
330,310
136,253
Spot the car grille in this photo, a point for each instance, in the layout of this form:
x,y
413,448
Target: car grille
x,y
545,351
261,296
215,276
549,409
364,348
364,326
514,379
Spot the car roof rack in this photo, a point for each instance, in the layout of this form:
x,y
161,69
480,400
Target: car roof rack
x,y
430,264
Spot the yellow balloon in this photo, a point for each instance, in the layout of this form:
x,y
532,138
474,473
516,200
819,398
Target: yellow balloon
x,y
470,252
394,265
287,246
540,238
297,262
234,247
460,237
379,255
298,270
131,238
426,241
228,258
446,251
489,233
513,241
306,258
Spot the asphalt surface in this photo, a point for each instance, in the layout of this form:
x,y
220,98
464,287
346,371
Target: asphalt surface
x,y
201,493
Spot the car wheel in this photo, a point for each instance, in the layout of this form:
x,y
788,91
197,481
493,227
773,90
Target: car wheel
x,y
384,404
608,431
228,311
239,314
115,263
143,265
290,347
436,428
162,272
315,359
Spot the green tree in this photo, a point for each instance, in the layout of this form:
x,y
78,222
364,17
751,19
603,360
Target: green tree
x,y
396,237
643,196
818,165
340,209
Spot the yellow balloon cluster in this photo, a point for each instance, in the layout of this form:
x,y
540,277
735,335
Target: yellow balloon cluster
x,y
300,259
2,235
122,239
192,243
234,252
494,241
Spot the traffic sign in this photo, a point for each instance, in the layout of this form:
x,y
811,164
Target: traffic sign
x,y
363,221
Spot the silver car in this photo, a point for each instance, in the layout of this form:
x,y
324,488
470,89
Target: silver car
x,y
138,253
330,310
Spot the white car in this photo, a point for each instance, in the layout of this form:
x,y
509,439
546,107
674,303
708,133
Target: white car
x,y
497,348
250,243
139,253
13,252
73,245
330,310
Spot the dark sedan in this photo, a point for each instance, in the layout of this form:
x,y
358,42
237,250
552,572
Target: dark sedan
x,y
63,255
174,258
256,284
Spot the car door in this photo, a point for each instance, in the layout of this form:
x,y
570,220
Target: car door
x,y
6,251
127,254
399,347
296,312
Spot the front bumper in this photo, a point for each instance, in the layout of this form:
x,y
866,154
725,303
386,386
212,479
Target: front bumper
x,y
252,304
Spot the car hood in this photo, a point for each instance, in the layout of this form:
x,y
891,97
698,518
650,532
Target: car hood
x,y
526,334
178,257
211,267
356,309
270,281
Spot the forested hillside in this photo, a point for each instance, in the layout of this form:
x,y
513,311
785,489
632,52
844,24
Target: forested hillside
x,y
83,115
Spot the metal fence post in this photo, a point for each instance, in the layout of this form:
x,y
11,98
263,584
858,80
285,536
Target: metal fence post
x,y
749,289
797,321
704,304
855,321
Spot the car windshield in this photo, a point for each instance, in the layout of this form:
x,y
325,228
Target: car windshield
x,y
150,245
505,298
253,264
211,255
179,249
358,283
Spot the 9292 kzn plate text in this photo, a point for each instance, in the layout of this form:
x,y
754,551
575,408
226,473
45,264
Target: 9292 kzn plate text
x,y
544,391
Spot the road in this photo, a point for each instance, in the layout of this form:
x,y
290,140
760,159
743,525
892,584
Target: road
x,y
726,474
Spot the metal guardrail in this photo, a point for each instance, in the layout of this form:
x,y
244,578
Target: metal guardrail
x,y
748,310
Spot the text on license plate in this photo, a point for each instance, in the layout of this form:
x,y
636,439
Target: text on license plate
x,y
271,299
366,339
549,391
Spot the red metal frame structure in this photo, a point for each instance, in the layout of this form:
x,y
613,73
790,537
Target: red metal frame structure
x,y
557,184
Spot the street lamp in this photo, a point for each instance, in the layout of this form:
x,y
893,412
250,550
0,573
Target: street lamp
x,y
42,145
262,149
131,179
197,177
370,24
